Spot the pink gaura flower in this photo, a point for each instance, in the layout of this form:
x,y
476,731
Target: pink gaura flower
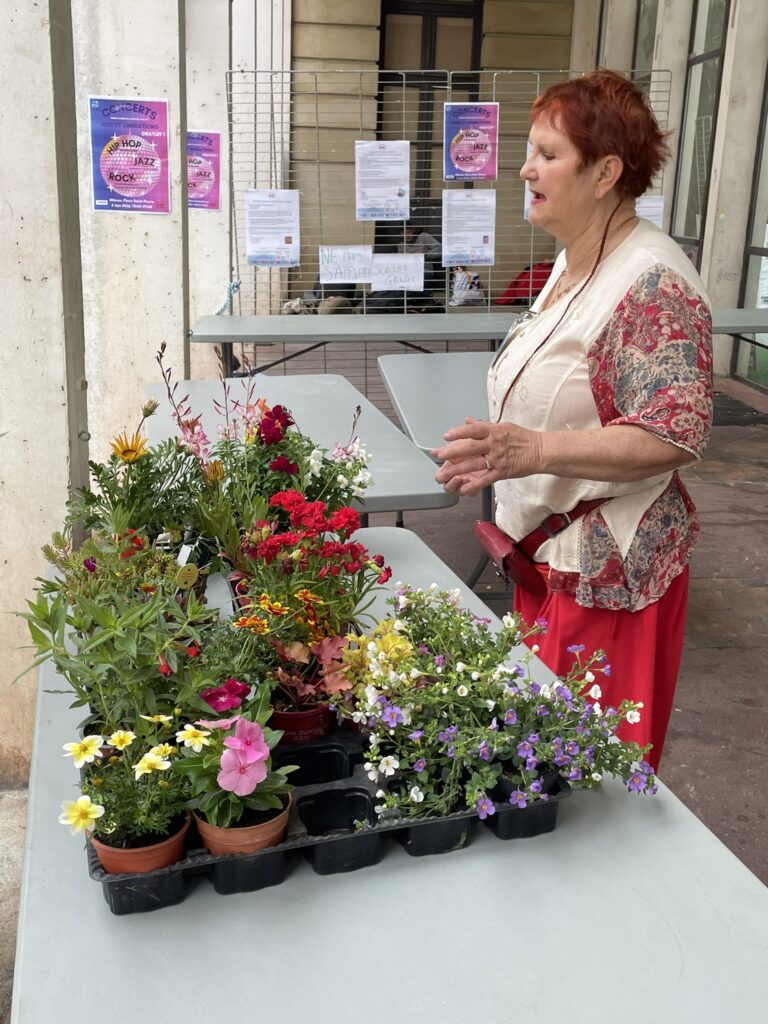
x,y
248,741
218,723
239,775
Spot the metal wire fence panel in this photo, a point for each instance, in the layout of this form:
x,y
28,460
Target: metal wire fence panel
x,y
297,130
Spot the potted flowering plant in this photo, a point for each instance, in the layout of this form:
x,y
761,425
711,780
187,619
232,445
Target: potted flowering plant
x,y
131,805
307,585
241,805
261,452
140,487
453,724
122,623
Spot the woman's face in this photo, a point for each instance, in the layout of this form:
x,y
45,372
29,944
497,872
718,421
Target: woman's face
x,y
562,193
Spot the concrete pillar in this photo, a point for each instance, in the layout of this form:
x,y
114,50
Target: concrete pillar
x,y
133,266
208,38
733,160
584,33
673,30
618,35
33,412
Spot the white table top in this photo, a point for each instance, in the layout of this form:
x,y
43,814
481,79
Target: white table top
x,y
324,407
630,910
740,321
460,326
454,382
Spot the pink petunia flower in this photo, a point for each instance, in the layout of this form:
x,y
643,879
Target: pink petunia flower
x,y
238,775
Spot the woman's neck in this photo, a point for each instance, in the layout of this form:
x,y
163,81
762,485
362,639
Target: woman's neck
x,y
581,250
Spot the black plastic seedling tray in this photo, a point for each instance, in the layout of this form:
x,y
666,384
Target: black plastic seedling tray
x,y
323,827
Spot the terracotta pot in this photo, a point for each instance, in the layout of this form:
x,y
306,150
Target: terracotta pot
x,y
118,860
302,726
243,838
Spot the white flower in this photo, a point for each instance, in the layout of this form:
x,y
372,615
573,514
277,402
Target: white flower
x,y
432,586
380,794
445,688
415,673
490,704
388,765
475,675
379,808
341,479
416,795
398,626
462,691
597,709
460,666
633,717
545,691
595,693
359,717
439,670
596,777
508,620
535,648
402,602
371,696
589,677
373,775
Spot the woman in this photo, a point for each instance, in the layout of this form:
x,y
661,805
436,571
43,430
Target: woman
x,y
600,398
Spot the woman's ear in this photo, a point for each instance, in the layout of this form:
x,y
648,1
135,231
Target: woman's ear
x,y
609,169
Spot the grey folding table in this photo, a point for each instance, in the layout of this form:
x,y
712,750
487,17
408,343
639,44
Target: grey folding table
x,y
324,406
630,910
410,330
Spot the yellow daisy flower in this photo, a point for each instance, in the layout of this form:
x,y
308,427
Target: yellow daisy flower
x,y
150,763
85,750
193,737
121,739
80,814
164,750
129,449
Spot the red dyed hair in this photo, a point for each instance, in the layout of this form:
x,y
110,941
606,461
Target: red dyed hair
x,y
604,113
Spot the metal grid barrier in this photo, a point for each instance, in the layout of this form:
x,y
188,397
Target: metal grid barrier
x,y
297,130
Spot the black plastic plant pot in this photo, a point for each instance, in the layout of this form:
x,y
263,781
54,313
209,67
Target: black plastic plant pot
x,y
138,893
504,788
248,872
440,835
511,822
317,763
333,814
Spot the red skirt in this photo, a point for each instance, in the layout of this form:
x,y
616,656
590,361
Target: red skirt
x,y
643,649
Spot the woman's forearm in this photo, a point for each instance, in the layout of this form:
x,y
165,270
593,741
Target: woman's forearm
x,y
619,454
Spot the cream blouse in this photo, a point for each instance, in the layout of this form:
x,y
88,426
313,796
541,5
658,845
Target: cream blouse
x,y
635,347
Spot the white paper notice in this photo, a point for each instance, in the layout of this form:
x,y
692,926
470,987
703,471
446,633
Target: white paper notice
x,y
272,236
651,208
469,227
382,180
402,271
350,263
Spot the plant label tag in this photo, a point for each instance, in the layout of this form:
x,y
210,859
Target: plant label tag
x,y
185,553
186,577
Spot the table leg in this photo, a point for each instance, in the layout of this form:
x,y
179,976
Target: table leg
x,y
487,513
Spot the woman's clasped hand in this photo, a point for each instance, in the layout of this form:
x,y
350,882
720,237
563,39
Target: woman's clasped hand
x,y
479,453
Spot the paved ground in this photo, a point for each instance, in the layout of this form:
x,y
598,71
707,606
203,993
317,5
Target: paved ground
x,y
714,759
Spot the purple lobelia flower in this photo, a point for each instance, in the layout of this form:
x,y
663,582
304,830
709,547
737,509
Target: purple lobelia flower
x,y
517,799
510,717
574,774
575,648
420,765
535,786
416,735
90,564
530,764
451,751
524,749
484,807
484,752
572,748
494,726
